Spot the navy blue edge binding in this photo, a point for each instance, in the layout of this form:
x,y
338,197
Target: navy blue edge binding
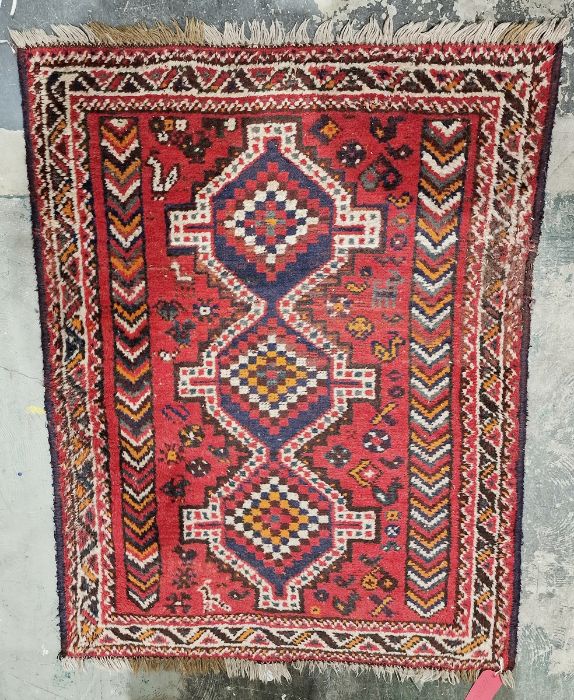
x,y
46,350
537,216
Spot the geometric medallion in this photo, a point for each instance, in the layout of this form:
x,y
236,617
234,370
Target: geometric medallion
x,y
279,527
270,227
273,382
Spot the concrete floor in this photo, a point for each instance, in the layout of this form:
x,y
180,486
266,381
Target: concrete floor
x,y
28,606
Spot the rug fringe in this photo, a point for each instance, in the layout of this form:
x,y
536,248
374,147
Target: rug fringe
x,y
274,672
187,666
259,33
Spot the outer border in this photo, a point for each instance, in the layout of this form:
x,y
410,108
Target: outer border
x,y
527,302
48,371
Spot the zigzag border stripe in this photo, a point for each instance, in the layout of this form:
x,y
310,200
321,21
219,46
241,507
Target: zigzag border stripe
x,y
121,169
439,209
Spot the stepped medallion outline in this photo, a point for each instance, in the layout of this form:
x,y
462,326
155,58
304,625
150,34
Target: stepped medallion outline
x,y
271,379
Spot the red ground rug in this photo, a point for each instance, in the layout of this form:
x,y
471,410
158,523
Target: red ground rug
x,y
285,305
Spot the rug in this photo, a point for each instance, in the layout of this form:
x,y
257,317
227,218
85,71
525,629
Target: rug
x,y
285,288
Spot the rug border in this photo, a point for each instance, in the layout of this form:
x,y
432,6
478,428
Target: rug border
x,y
527,303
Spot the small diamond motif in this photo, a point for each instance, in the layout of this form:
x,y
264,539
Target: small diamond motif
x,y
271,221
272,377
276,519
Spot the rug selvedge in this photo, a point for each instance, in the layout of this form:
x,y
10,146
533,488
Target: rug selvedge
x,y
283,293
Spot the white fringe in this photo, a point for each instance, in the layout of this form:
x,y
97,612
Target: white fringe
x,y
273,672
259,33
108,663
236,668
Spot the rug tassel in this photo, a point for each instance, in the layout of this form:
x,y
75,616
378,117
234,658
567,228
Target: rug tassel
x,y
195,32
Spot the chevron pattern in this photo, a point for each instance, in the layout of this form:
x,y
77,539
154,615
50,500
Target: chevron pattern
x,y
121,159
439,206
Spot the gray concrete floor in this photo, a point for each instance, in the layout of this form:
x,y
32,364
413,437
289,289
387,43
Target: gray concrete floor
x,y
28,606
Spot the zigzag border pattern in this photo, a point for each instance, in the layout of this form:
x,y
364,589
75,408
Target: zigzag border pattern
x,y
121,166
439,208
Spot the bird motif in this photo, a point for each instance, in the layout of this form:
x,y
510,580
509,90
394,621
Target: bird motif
x,y
161,184
388,352
388,497
346,607
385,132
